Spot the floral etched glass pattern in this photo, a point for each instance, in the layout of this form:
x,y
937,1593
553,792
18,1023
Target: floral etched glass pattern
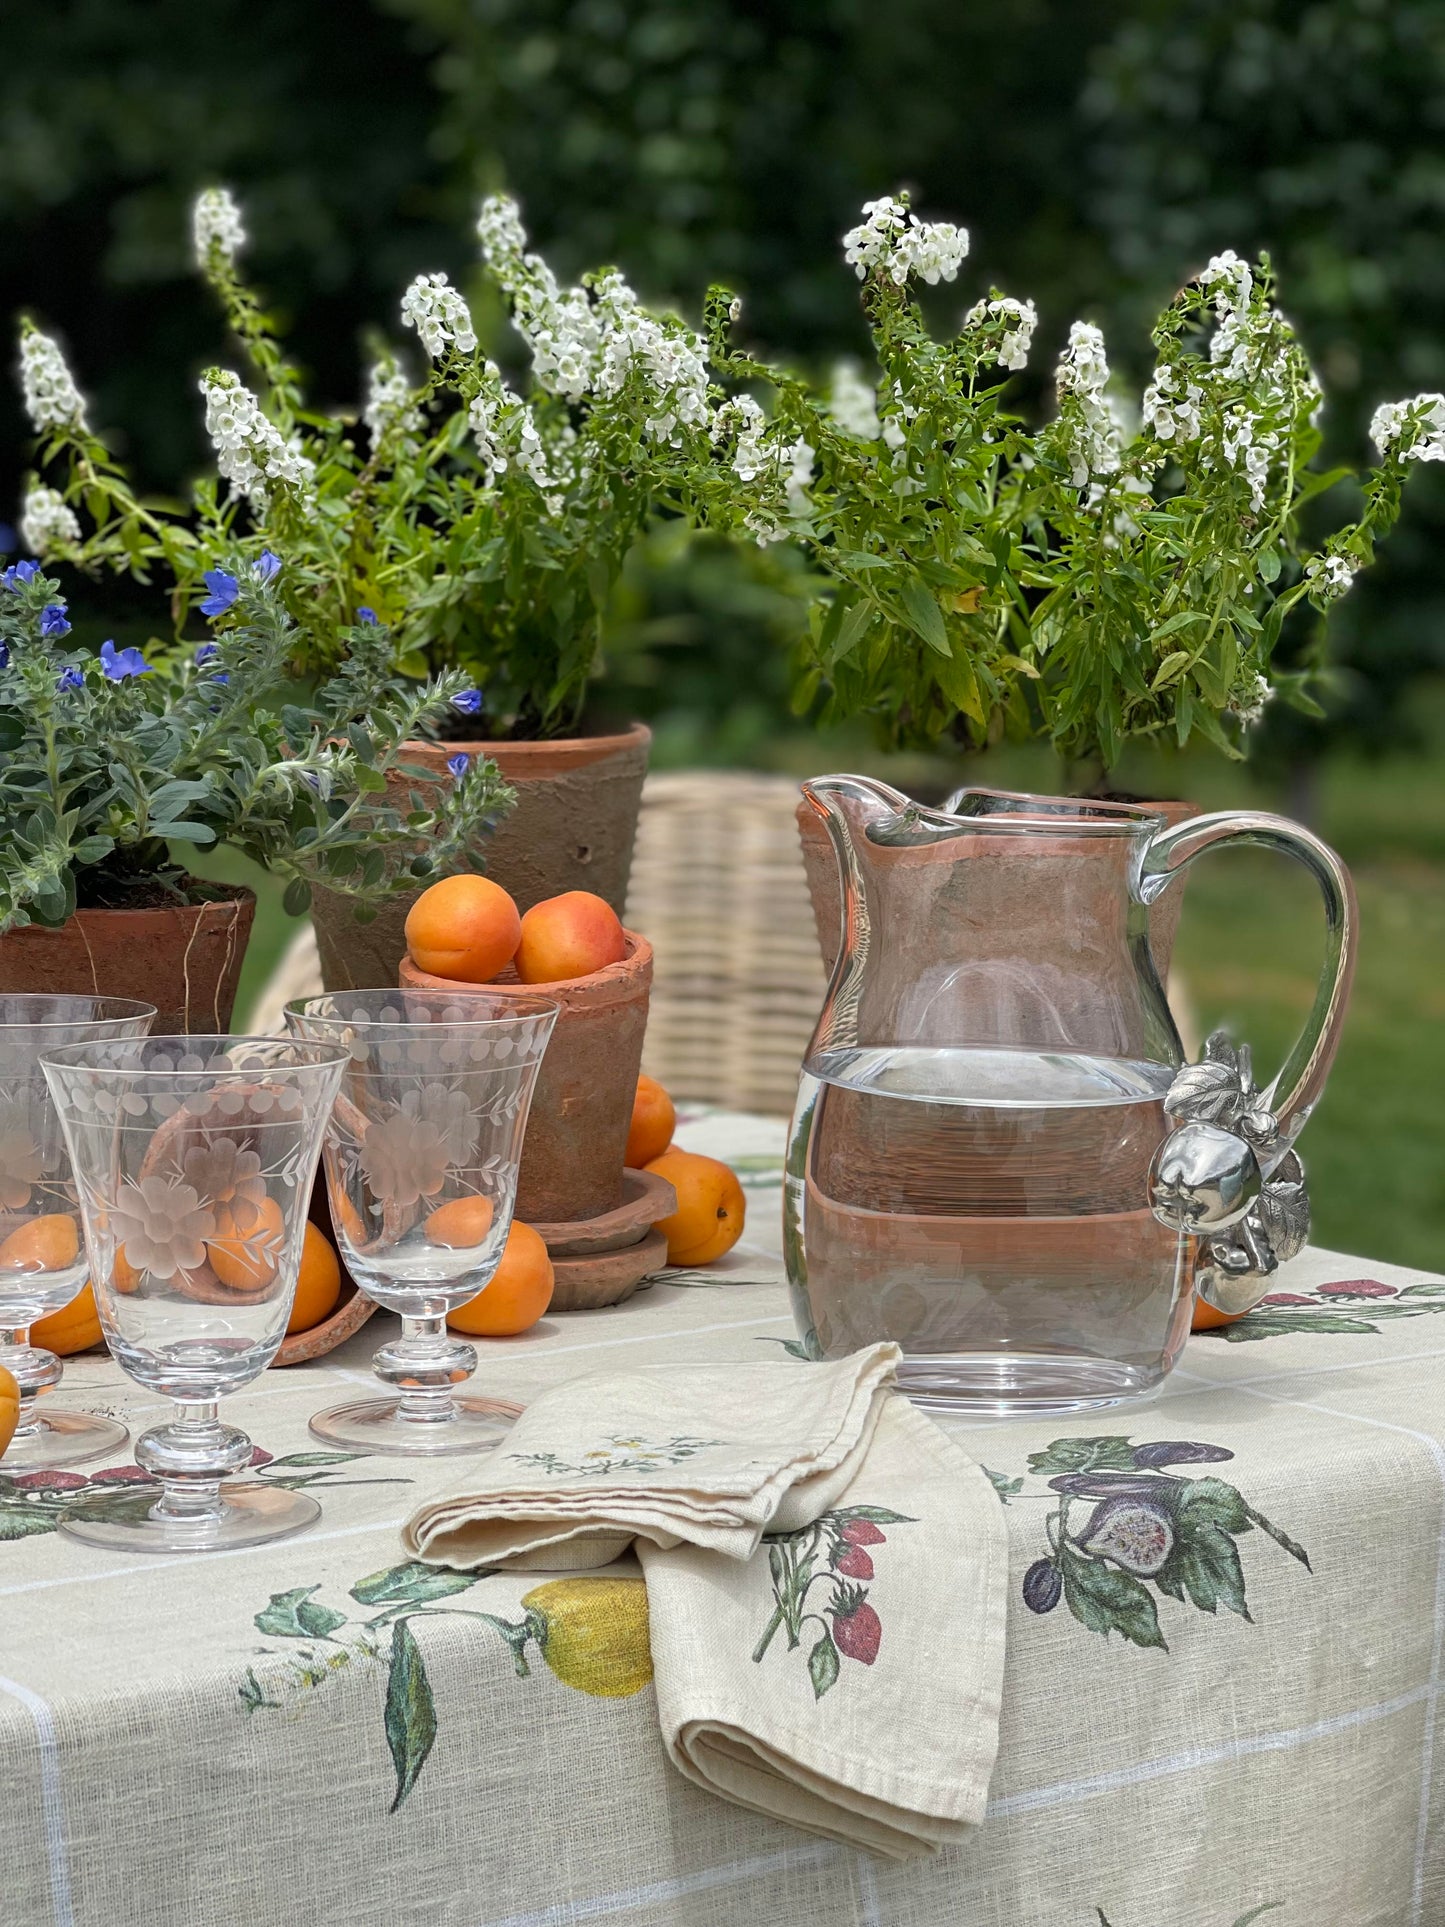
x,y
42,1257
194,1159
422,1153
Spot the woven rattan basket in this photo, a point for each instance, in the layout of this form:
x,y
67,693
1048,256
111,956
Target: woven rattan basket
x,y
718,886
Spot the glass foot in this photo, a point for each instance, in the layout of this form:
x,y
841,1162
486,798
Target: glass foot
x,y
378,1425
249,1515
62,1438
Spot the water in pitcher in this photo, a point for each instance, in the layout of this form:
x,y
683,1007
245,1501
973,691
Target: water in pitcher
x,y
987,1209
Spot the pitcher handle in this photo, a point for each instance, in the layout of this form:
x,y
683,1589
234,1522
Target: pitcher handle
x,y
1299,1083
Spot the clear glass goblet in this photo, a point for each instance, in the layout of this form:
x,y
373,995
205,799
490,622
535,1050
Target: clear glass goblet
x,y
42,1259
194,1159
421,1167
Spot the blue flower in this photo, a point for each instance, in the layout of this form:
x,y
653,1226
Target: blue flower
x,y
120,663
70,679
459,765
7,538
4,656
224,590
207,652
19,573
266,566
364,614
469,702
52,621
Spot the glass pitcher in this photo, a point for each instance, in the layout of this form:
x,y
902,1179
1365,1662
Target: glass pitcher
x,y
984,1096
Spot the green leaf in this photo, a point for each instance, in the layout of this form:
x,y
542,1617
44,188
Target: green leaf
x,y
412,1584
877,1515
1211,1502
1176,623
924,617
369,780
851,630
1108,1452
25,1523
1267,562
1005,1488
296,1615
1171,667
1281,1538
297,899
311,1458
1108,1601
1206,1565
823,1666
411,1719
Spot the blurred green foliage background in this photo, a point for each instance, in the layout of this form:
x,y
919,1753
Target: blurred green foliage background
x,y
1097,152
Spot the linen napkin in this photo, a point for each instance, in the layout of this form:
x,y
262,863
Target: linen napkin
x,y
826,1580
713,1454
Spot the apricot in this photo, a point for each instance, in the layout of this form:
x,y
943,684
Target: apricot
x,y
248,1250
711,1209
74,1328
653,1122
460,1222
520,1291
569,936
49,1243
1207,1319
464,927
123,1275
318,1283
9,1408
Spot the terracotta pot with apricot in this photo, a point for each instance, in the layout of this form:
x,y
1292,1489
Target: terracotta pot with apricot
x,y
465,931
573,829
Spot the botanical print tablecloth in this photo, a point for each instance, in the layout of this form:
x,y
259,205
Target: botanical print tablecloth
x,y
1220,1699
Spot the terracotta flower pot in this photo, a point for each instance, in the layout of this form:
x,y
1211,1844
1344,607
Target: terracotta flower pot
x,y
573,829
572,1159
823,887
353,1307
183,958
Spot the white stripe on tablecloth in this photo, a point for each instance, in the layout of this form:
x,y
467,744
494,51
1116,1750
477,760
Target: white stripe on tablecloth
x,y
1064,1792
867,1891
198,1558
1431,1689
51,1805
563,1913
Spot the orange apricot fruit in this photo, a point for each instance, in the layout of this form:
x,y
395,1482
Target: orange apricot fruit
x,y
710,1210
318,1283
460,1222
520,1291
1207,1319
569,936
9,1407
246,1253
464,927
74,1328
48,1243
653,1122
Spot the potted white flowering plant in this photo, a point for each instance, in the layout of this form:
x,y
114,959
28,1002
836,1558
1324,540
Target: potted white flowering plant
x,y
482,529
113,766
1118,571
1112,574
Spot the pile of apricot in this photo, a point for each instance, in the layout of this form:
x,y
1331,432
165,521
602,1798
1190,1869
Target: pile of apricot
x,y
467,928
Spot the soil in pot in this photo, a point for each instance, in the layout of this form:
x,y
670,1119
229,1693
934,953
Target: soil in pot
x,y
185,958
573,828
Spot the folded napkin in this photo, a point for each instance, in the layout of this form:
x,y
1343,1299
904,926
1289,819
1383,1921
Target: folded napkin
x,y
716,1455
826,1580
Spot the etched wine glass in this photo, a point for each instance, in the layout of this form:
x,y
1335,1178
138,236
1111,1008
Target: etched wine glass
x,y
194,1159
42,1261
421,1160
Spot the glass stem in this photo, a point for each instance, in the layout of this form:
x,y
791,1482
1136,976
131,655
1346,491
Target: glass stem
x,y
190,1457
33,1371
424,1366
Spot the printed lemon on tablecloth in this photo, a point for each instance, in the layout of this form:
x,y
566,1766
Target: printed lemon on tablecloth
x,y
593,1633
